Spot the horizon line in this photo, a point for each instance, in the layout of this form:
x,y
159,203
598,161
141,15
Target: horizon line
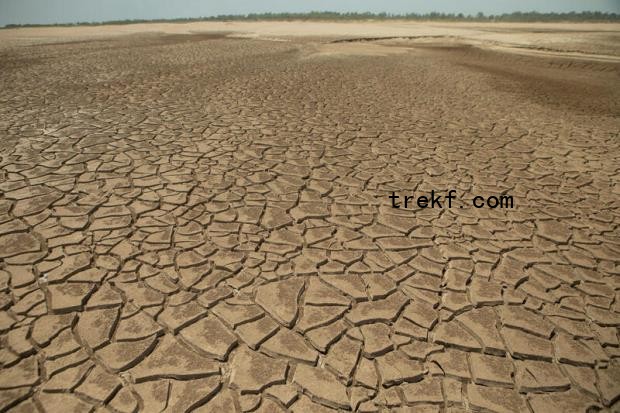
x,y
512,17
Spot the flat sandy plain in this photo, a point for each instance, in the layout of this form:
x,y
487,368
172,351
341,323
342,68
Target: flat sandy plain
x,y
196,217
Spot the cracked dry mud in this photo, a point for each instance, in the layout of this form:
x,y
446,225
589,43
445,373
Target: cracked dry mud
x,y
200,223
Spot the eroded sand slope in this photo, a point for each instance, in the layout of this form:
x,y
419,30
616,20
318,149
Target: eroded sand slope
x,y
199,221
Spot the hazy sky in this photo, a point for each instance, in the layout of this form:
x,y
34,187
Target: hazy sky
x,y
64,11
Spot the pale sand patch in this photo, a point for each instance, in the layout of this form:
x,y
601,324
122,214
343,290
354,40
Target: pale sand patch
x,y
357,49
571,39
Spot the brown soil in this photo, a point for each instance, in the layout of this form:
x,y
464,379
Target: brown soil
x,y
201,222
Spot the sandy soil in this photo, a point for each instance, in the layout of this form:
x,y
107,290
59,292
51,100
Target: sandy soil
x,y
589,38
202,222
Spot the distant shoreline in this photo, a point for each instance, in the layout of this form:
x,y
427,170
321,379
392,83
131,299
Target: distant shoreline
x,y
516,17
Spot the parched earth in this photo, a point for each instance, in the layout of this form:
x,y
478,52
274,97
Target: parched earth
x,y
202,223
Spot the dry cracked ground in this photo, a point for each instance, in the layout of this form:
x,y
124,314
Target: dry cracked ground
x,y
201,223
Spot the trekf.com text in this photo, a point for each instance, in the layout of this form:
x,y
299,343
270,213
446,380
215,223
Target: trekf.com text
x,y
435,200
